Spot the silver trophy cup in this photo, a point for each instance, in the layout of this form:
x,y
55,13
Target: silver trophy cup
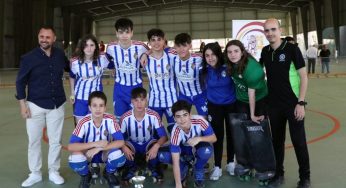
x,y
138,181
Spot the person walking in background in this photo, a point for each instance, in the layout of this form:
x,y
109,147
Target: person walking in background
x,y
311,54
221,101
102,46
287,84
325,58
41,71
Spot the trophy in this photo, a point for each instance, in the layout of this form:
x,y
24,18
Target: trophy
x,y
138,181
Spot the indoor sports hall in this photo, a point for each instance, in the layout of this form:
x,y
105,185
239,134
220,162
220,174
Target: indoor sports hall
x,y
309,22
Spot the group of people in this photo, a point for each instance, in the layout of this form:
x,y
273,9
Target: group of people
x,y
217,84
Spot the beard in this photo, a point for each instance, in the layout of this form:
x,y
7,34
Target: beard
x,y
45,45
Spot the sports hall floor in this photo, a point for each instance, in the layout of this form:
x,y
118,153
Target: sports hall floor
x,y
325,118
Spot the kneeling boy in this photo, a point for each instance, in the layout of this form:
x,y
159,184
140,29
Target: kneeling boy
x,y
191,141
144,135
97,138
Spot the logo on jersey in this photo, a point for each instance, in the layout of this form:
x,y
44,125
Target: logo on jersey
x,y
168,67
149,128
207,150
185,77
223,73
105,133
135,55
282,58
193,65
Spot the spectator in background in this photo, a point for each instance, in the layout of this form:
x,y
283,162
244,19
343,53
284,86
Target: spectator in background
x,y
325,58
311,54
102,46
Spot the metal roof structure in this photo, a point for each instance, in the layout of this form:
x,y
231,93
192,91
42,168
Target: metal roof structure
x,y
102,9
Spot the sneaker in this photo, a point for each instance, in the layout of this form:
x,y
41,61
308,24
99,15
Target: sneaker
x,y
230,168
128,173
276,181
112,181
85,181
56,178
157,174
304,184
32,179
216,173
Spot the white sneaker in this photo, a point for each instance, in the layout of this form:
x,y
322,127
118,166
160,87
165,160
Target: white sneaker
x,y
230,168
56,178
216,173
32,179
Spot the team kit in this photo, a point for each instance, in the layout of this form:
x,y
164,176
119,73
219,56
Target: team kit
x,y
233,97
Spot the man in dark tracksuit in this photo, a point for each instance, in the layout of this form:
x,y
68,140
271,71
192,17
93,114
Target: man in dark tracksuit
x,y
287,84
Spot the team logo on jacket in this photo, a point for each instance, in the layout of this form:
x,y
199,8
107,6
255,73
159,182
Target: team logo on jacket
x,y
223,73
204,108
282,58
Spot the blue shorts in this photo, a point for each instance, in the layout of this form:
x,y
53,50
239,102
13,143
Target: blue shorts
x,y
200,102
140,148
81,108
168,113
122,98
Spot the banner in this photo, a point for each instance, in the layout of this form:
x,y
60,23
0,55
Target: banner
x,y
251,34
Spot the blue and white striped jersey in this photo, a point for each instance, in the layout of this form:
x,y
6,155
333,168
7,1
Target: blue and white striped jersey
x,y
162,83
199,127
187,73
126,62
141,131
88,76
86,131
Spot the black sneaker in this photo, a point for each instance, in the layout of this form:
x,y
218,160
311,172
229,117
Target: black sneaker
x,y
128,173
304,184
85,181
157,174
276,181
112,181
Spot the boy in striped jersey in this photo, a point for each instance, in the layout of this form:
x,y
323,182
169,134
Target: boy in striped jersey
x,y
144,135
191,141
125,53
161,77
187,68
97,139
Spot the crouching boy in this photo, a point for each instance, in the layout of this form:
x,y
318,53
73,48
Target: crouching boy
x,y
97,139
191,144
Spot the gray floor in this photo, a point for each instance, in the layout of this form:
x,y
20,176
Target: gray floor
x,y
326,110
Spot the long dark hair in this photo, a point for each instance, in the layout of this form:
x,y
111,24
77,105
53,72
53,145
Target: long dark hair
x,y
216,49
82,45
243,60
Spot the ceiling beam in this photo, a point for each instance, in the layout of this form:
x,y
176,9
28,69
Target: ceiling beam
x,y
196,3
